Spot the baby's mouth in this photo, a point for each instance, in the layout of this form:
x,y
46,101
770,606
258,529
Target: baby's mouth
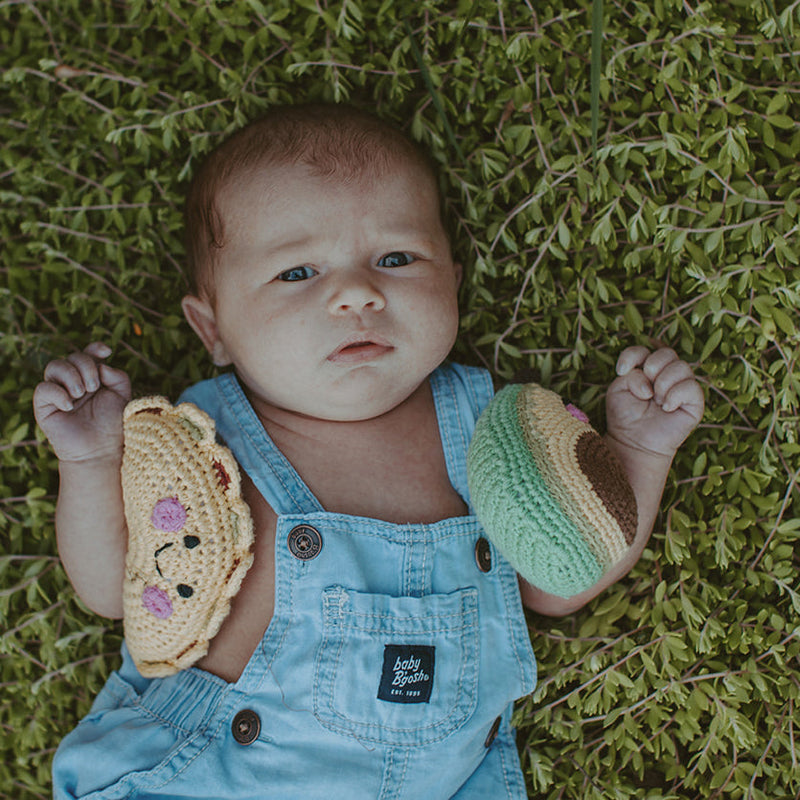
x,y
360,347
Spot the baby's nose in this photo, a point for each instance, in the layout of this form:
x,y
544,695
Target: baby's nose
x,y
356,292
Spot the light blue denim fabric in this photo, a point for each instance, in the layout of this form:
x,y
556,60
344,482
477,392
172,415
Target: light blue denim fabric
x,y
388,660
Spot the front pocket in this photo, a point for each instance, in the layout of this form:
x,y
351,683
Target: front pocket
x,y
397,670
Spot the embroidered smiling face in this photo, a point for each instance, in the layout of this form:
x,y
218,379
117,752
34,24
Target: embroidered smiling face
x,y
169,516
189,534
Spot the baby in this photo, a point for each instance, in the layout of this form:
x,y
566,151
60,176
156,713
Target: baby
x,y
323,275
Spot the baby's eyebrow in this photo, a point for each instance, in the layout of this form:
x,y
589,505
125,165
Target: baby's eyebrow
x,y
390,240
288,247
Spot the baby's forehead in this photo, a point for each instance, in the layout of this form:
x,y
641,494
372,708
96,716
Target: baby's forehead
x,y
368,172
291,211
271,182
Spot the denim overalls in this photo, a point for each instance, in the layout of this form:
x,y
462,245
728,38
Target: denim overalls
x,y
387,672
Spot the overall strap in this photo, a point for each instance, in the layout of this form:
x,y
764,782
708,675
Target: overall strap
x,y
460,394
241,430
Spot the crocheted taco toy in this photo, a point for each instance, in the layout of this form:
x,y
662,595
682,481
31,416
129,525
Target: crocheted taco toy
x,y
189,534
548,491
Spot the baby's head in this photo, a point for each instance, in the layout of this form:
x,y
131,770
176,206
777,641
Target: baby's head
x,y
319,262
337,143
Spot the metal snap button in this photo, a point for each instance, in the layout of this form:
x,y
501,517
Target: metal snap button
x,y
246,726
483,555
492,733
304,542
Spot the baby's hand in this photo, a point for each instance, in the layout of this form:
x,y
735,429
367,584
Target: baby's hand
x,y
655,403
79,405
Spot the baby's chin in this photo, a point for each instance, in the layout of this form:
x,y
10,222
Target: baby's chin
x,y
359,411
350,406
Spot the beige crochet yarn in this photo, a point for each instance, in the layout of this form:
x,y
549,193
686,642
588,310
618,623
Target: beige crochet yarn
x,y
189,534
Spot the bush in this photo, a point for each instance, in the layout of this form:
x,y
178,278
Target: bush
x,y
680,682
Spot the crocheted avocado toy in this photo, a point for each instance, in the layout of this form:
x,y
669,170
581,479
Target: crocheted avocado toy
x,y
189,534
548,491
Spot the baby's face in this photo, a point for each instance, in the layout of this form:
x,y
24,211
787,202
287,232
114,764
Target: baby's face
x,y
334,300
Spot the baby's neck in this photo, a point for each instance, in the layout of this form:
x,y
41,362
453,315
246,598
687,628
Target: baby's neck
x,y
286,425
390,467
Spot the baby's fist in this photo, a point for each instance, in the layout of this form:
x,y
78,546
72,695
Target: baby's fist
x,y
655,402
79,405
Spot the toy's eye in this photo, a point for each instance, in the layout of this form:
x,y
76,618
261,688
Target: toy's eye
x,y
297,274
190,542
395,260
184,590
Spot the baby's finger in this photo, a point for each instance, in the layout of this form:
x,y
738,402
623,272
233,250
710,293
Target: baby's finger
x,y
66,374
116,380
637,384
631,358
670,375
657,361
49,397
87,369
686,395
98,350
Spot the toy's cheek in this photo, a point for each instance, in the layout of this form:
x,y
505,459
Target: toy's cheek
x,y
157,602
168,515
577,413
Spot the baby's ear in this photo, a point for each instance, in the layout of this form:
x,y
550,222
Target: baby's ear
x,y
200,315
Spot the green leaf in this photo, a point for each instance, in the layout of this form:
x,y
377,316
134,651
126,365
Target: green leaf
x,y
781,121
711,344
633,319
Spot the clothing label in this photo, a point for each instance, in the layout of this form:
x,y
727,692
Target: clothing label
x,y
407,673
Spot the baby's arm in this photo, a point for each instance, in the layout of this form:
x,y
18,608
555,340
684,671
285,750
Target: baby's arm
x,y
79,407
652,406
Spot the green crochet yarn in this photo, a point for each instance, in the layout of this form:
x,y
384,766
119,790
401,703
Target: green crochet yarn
x,y
548,492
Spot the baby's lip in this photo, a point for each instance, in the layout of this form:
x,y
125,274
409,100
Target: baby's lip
x,y
363,346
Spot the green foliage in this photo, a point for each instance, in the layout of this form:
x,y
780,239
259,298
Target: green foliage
x,y
680,682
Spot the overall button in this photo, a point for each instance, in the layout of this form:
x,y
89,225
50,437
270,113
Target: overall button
x,y
492,733
305,542
246,726
483,555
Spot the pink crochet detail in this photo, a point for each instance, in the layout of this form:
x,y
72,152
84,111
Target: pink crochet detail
x,y
157,602
577,413
169,515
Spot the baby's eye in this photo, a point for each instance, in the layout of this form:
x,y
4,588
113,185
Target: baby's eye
x,y
297,274
395,260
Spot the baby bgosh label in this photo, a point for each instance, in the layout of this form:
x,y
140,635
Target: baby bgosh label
x,y
407,675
